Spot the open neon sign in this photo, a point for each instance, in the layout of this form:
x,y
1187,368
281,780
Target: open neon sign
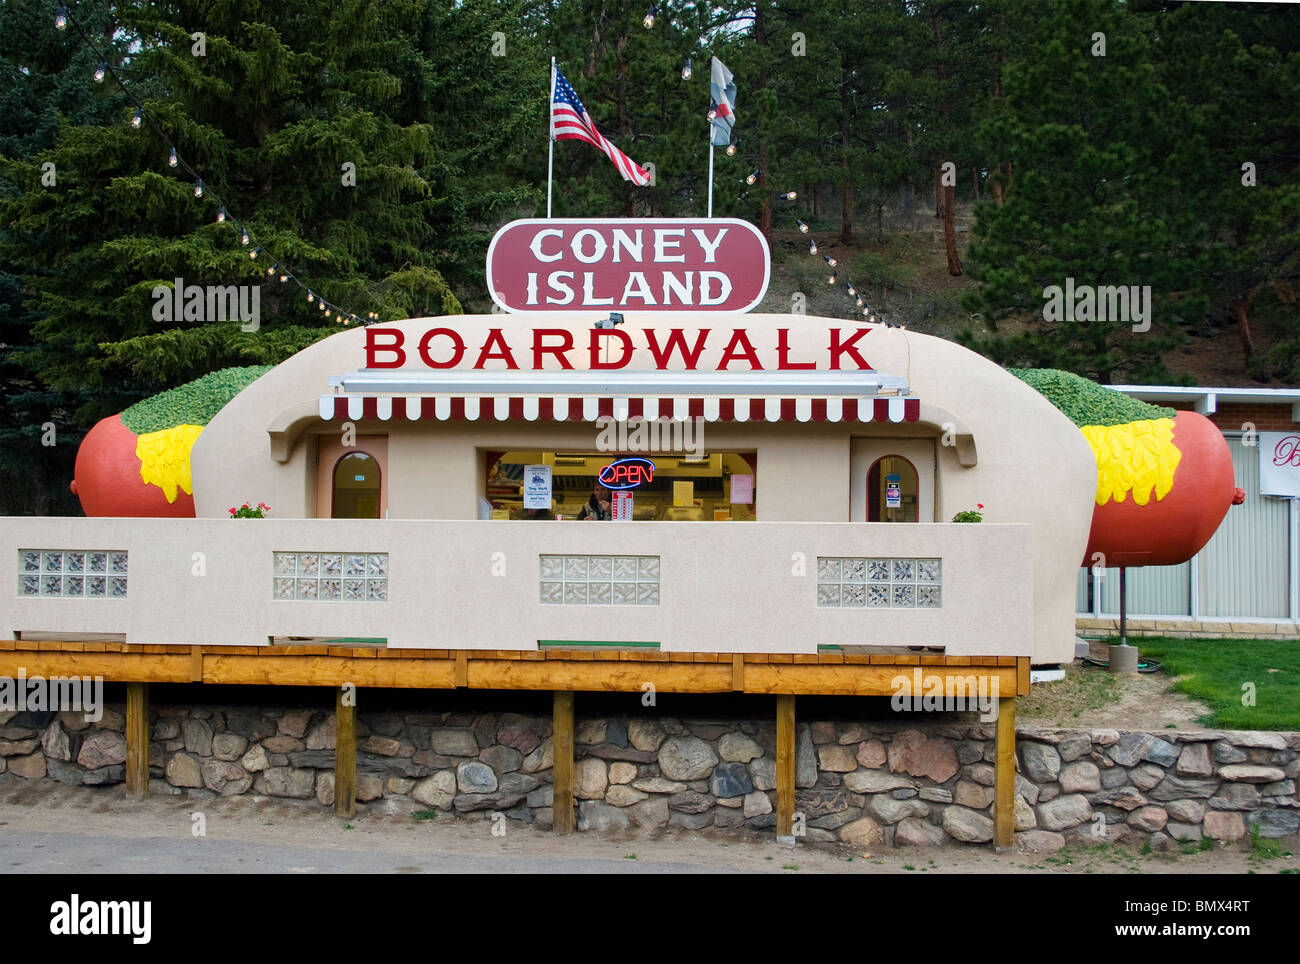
x,y
626,473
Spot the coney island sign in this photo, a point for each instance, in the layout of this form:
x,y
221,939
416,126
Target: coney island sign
x,y
636,264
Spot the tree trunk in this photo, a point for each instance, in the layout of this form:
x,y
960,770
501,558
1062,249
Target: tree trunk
x,y
846,185
1239,309
975,182
939,193
950,230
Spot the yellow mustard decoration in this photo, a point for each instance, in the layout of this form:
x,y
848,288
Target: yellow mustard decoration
x,y
165,458
1136,456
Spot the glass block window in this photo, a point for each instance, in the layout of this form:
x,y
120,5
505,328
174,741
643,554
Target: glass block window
x,y
600,580
330,576
880,583
73,573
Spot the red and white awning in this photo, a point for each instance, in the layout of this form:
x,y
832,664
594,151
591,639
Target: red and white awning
x,y
559,408
578,396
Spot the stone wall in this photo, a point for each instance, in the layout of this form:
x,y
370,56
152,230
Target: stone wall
x,y
897,783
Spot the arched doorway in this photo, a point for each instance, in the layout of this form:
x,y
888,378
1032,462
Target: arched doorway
x,y
892,490
352,480
356,487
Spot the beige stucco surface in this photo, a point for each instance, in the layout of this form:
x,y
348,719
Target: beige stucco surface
x,y
1033,466
723,587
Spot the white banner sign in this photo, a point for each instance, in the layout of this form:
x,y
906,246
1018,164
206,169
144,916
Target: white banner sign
x,y
1279,464
537,486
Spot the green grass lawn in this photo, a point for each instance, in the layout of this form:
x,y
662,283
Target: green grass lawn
x,y
1223,673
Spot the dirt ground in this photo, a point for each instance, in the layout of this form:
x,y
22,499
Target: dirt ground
x,y
262,825
1091,697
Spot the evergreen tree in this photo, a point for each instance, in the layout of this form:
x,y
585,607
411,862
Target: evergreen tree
x,y
1091,197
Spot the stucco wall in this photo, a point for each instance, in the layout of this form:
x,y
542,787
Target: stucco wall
x,y
1033,465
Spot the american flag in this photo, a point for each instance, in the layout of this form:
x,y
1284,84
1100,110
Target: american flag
x,y
570,121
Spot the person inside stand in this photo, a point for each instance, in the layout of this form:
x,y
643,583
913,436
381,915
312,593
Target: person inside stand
x,y
597,506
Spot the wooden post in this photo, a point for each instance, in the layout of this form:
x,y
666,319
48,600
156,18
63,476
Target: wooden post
x,y
137,739
785,789
345,751
1004,779
562,744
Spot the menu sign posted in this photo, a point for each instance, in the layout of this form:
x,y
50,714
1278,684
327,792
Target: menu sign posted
x,y
893,492
742,489
1279,464
537,486
621,506
632,264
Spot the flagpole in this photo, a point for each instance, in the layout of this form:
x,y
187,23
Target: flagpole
x,y
550,153
710,169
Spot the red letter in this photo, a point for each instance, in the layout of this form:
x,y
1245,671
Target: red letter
x,y
457,354
738,336
676,342
502,350
837,349
539,349
373,347
594,349
783,352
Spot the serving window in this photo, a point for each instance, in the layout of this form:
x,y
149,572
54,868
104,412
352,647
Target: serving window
x,y
671,487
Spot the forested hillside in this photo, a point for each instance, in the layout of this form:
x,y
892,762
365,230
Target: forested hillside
x,y
956,158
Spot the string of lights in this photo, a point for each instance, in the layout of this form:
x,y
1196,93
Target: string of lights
x,y
277,268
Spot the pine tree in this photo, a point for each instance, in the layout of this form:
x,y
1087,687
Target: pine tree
x,y
46,83
270,113
1090,197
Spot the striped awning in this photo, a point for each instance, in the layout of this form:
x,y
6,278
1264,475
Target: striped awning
x,y
550,408
587,396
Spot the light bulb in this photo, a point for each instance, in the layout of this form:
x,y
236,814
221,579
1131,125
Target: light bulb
x,y
649,20
861,303
829,260
812,246
61,18
686,69
252,255
99,73
790,195
731,149
867,312
137,119
327,312
198,188
221,215
712,115
321,305
848,286
803,228
284,277
832,279
243,236
310,297
172,159
271,270
753,177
